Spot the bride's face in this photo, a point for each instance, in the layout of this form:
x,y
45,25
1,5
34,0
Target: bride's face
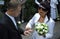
x,y
42,11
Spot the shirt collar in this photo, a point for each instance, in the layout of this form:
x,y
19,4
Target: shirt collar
x,y
9,15
12,18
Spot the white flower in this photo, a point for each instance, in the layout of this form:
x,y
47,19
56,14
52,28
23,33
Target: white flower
x,y
46,28
37,27
37,30
41,27
46,31
41,32
19,22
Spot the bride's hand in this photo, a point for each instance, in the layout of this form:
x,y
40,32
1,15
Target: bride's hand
x,y
28,29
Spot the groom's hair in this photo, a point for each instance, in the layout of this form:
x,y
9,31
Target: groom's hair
x,y
13,4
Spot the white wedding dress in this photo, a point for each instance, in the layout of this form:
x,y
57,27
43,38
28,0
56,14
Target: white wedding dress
x,y
50,24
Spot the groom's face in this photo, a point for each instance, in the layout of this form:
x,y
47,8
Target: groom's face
x,y
16,12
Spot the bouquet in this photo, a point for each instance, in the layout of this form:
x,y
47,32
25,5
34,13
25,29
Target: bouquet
x,y
41,28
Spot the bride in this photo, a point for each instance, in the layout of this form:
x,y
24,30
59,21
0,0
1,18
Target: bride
x,y
43,16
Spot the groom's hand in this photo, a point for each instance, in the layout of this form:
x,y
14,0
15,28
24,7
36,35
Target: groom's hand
x,y
26,33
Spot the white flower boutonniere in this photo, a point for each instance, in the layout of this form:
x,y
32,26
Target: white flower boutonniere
x,y
19,23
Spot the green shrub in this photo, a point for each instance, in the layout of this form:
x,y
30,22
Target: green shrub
x,y
29,9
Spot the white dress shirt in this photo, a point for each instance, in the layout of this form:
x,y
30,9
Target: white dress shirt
x,y
12,18
50,24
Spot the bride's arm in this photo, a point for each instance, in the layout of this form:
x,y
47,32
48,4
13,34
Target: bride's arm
x,y
51,28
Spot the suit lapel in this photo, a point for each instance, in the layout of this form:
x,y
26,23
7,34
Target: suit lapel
x,y
10,22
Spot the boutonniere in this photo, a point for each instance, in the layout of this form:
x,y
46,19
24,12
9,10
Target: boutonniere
x,y
19,23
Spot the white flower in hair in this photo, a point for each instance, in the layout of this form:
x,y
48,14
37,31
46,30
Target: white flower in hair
x,y
38,4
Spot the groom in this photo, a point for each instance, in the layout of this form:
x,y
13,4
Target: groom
x,y
8,24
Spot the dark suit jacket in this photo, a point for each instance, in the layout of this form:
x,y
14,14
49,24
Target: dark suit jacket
x,y
8,30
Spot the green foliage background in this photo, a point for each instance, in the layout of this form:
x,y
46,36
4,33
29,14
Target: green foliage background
x,y
30,9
